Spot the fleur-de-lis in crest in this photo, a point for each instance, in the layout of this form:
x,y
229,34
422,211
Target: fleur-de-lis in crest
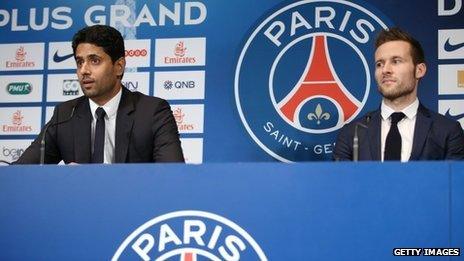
x,y
318,114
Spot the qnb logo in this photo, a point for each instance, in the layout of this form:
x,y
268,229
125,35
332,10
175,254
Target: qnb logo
x,y
187,236
131,86
12,153
179,117
168,85
303,73
71,87
180,51
20,60
17,124
136,53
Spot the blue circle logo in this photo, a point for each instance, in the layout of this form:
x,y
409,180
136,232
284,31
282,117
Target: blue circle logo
x,y
303,73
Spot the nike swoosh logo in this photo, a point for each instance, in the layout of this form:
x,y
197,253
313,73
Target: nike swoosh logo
x,y
452,47
456,117
59,59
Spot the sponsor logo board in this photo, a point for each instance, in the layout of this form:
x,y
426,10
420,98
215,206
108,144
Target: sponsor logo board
x,y
137,53
21,88
184,85
60,56
189,117
137,81
450,79
452,109
180,52
11,150
451,44
63,87
20,120
21,56
192,149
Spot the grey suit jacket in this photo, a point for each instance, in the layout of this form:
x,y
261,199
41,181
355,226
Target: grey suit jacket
x,y
145,132
435,138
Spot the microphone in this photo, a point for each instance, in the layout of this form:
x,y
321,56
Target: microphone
x,y
356,137
42,141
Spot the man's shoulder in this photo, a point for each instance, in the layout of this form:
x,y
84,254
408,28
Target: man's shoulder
x,y
440,120
141,100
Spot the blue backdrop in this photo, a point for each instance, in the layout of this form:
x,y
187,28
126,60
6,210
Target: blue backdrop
x,y
239,116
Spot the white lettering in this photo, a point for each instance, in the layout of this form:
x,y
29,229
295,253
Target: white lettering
x,y
58,14
232,242
5,17
365,35
149,242
174,16
195,234
14,22
145,16
120,13
275,37
326,19
167,236
188,13
448,12
298,21
34,25
99,19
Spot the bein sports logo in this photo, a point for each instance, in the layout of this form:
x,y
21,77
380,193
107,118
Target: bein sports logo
x,y
189,235
313,76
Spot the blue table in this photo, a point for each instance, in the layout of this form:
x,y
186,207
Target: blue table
x,y
305,211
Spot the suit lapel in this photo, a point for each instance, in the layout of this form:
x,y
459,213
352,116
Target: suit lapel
x,y
421,129
82,132
124,123
373,129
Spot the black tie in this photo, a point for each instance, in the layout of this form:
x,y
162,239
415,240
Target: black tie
x,y
99,141
393,142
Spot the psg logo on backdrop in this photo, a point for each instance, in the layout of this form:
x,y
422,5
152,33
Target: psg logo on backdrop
x,y
189,236
304,72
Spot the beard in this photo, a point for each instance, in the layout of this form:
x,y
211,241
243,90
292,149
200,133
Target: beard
x,y
395,92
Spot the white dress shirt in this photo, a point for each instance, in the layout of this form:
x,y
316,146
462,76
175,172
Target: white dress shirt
x,y
111,109
405,127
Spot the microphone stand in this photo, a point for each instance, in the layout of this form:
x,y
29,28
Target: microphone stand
x,y
42,140
356,138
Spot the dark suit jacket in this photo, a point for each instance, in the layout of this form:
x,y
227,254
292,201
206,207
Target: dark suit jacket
x,y
145,132
435,138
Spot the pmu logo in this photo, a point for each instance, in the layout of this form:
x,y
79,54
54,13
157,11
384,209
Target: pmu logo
x,y
304,72
189,235
19,88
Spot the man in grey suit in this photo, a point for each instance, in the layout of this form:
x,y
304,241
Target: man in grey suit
x,y
402,129
109,124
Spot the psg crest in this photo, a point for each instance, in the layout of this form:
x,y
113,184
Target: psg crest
x,y
304,72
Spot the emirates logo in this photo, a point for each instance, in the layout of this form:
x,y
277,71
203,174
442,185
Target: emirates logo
x,y
178,115
17,118
20,54
179,50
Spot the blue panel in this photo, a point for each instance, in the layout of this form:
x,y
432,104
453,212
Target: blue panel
x,y
294,212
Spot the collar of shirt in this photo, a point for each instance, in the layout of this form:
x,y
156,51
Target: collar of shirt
x,y
410,111
111,107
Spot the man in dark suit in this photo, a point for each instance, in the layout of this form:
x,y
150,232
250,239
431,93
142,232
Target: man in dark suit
x,y
402,129
109,124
